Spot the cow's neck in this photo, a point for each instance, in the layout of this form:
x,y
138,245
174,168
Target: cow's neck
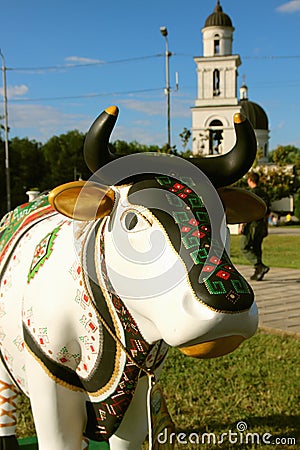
x,y
113,312
116,318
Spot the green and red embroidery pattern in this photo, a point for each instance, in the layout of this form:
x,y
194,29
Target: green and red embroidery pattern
x,y
194,223
224,288
20,219
42,252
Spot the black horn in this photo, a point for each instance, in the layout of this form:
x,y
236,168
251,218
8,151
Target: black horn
x,y
96,151
226,169
222,170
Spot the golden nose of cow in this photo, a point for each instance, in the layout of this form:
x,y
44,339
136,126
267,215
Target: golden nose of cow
x,y
214,348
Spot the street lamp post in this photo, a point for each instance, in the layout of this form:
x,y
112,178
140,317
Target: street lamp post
x,y
164,33
7,172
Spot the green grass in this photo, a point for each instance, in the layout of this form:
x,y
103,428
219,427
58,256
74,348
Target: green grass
x,y
278,251
25,425
259,384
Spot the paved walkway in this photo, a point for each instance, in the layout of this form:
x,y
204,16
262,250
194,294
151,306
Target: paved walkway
x,y
277,297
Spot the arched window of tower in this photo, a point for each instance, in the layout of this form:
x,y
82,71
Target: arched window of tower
x,y
216,44
215,137
216,82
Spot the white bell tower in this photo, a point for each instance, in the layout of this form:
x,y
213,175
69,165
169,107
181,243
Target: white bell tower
x,y
217,101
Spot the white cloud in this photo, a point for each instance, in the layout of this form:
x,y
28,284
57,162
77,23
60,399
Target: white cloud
x,y
146,119
83,60
289,7
280,125
40,122
140,133
15,91
149,107
179,107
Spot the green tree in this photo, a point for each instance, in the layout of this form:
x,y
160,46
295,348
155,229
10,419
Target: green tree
x,y
168,150
64,158
287,154
297,204
185,136
120,147
27,168
277,181
3,197
280,179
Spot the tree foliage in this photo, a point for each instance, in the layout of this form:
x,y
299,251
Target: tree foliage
x,y
278,181
185,136
297,204
64,158
27,168
120,147
41,167
287,154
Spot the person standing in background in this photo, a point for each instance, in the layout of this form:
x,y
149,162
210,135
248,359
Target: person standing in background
x,y
254,232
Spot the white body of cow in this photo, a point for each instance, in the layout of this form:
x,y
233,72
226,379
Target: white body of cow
x,y
44,292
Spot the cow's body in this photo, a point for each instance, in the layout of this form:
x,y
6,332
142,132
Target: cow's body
x,y
87,305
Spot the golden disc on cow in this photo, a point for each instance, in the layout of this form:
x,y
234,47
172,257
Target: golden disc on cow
x,y
241,206
81,200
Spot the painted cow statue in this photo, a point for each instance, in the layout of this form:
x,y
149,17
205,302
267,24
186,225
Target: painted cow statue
x,y
99,278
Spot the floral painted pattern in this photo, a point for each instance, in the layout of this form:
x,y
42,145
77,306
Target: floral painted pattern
x,y
42,252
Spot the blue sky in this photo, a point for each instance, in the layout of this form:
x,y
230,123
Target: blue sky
x,y
69,60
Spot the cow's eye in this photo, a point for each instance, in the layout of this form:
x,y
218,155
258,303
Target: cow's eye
x,y
134,221
130,220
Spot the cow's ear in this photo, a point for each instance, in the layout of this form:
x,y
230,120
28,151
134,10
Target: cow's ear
x,y
241,206
82,200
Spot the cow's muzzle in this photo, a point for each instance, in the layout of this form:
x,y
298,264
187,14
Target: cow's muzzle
x,y
213,349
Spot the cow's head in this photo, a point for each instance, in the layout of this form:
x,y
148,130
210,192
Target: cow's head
x,y
164,237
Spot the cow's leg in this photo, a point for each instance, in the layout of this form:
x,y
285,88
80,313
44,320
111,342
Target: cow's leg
x,y
134,427
58,412
8,413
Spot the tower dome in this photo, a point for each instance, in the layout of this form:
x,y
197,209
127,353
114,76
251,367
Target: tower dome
x,y
217,33
258,119
254,112
218,18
